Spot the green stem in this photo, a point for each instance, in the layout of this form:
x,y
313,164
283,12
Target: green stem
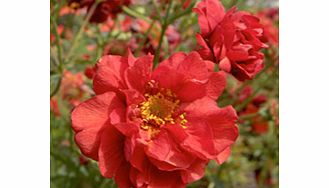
x,y
79,34
157,10
248,116
60,58
188,10
163,31
135,14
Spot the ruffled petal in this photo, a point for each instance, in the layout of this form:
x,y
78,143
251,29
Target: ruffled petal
x,y
109,74
216,84
194,172
139,74
111,155
223,156
210,13
122,178
204,51
90,117
187,80
211,129
163,148
162,179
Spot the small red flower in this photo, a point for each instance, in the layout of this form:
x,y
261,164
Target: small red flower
x,y
72,90
54,107
155,128
231,39
60,29
89,72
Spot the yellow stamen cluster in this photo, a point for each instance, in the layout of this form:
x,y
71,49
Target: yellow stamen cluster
x,y
158,110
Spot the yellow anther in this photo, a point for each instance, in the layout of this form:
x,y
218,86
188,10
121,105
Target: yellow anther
x,y
159,109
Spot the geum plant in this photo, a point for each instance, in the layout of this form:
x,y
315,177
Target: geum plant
x,y
154,119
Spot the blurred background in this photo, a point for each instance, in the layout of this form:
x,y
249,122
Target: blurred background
x,y
82,31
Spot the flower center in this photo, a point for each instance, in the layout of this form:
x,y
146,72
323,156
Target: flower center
x,y
160,109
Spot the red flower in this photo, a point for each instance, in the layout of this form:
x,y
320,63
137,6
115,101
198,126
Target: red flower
x,y
231,39
155,128
105,9
72,89
271,32
89,72
259,125
60,29
54,107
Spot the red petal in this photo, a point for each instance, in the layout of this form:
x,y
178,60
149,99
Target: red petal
x,y
164,179
210,13
111,155
188,81
211,129
139,74
205,52
109,74
185,89
216,84
164,149
194,172
122,178
223,156
133,96
215,12
174,60
225,64
89,117
193,67
127,129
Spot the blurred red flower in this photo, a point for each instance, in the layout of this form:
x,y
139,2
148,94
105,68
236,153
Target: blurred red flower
x,y
269,17
89,72
72,89
155,128
105,9
259,125
231,39
60,29
54,107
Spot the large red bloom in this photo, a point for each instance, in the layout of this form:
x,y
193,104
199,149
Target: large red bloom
x,y
155,128
231,39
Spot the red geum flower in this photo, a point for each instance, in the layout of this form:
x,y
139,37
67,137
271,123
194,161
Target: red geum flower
x,y
155,128
105,9
231,39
